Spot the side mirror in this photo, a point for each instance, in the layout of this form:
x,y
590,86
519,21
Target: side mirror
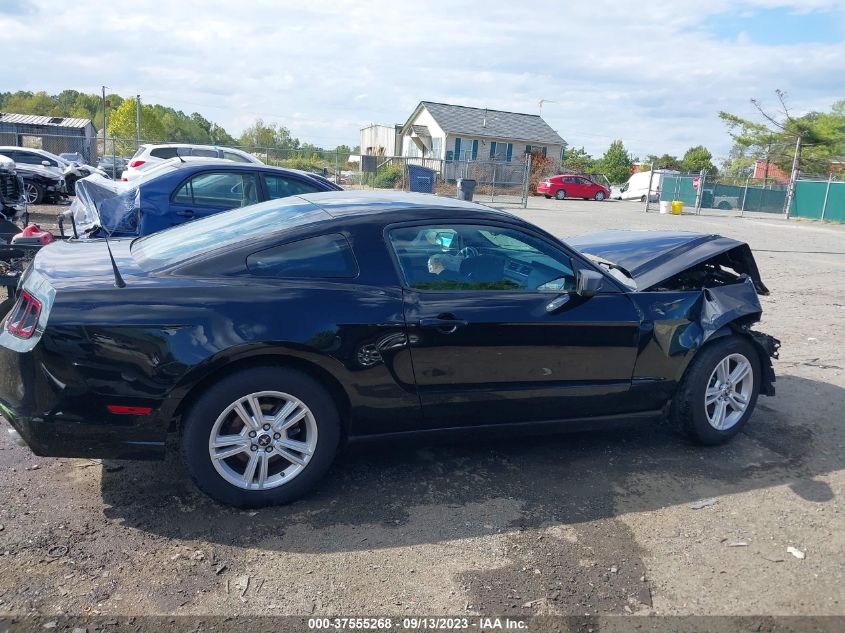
x,y
589,283
46,163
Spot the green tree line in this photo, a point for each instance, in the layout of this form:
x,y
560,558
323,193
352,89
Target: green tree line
x,y
159,124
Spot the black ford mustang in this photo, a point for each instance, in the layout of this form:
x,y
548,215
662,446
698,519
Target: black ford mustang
x,y
266,336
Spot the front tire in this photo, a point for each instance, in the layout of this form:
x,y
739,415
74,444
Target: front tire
x,y
718,392
599,196
262,436
33,192
560,195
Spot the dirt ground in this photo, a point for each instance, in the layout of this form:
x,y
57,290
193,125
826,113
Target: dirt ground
x,y
622,521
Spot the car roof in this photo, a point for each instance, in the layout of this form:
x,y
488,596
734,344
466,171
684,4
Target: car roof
x,y
187,162
400,206
34,150
196,145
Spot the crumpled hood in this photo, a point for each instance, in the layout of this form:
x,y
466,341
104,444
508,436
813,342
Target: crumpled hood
x,y
36,170
651,257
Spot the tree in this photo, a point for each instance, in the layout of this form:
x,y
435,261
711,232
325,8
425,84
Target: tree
x,y
698,158
122,126
822,135
577,159
271,136
616,163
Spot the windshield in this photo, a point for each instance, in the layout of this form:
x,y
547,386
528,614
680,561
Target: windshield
x,y
194,239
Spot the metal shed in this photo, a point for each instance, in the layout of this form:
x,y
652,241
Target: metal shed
x,y
53,134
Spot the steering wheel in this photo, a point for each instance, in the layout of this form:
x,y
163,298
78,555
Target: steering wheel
x,y
468,251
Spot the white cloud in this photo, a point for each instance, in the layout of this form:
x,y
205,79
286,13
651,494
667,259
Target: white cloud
x,y
651,74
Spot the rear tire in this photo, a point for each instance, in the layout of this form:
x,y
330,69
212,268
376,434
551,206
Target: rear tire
x,y
247,460
560,195
710,407
642,198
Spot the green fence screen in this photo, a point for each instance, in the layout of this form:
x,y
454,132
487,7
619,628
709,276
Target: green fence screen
x,y
810,200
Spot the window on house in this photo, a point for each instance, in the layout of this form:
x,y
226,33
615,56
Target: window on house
x,y
501,151
466,149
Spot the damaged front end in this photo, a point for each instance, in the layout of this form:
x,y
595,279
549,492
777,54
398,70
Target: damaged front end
x,y
691,289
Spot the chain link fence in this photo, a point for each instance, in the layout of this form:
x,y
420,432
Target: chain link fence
x,y
703,193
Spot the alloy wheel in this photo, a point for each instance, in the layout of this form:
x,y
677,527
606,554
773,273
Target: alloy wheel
x,y
30,192
728,391
263,440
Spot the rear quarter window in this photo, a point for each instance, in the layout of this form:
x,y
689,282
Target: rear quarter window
x,y
322,257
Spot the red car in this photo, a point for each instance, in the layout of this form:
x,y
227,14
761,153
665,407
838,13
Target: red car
x,y
572,186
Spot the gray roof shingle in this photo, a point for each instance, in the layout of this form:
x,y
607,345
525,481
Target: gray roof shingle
x,y
455,119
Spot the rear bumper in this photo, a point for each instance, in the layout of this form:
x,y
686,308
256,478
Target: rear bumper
x,y
544,189
59,415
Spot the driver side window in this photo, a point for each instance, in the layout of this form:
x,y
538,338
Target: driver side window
x,y
479,257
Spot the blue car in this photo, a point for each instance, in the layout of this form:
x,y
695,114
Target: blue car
x,y
178,191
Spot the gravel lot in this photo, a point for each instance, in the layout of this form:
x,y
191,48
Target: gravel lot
x,y
601,523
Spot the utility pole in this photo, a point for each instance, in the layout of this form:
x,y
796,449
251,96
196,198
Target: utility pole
x,y
790,192
104,120
137,121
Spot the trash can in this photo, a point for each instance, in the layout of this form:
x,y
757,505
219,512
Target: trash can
x,y
466,187
677,207
421,179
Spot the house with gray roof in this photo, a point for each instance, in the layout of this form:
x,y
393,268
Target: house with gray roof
x,y
452,132
54,134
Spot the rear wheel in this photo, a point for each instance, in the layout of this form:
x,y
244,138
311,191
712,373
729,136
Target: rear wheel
x,y
262,436
561,194
33,192
599,195
642,198
718,392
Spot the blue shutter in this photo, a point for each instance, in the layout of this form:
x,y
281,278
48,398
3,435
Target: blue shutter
x,y
510,151
527,149
474,149
544,151
493,150
458,148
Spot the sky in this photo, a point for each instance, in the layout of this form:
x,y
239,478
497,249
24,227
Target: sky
x,y
650,72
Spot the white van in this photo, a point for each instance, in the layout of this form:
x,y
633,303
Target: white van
x,y
637,186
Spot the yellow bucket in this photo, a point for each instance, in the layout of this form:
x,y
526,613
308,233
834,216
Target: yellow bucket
x,y
677,207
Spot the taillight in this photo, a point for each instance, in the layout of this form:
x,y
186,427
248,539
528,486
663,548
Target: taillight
x,y
24,316
137,163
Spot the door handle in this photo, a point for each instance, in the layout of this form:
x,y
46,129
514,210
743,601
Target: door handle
x,y
185,214
445,326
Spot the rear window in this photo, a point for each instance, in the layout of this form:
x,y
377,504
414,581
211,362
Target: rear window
x,y
165,152
222,230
